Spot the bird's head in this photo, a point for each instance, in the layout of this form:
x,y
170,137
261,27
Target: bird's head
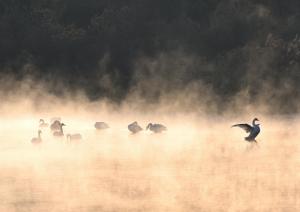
x,y
62,124
254,120
148,126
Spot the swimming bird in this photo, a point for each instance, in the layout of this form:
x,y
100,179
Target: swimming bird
x,y
55,126
37,140
74,137
156,128
134,127
254,130
101,125
59,133
43,123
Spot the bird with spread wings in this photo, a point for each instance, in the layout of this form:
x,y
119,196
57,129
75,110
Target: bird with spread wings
x,y
254,130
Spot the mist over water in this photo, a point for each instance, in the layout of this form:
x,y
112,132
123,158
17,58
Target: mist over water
x,y
196,66
199,164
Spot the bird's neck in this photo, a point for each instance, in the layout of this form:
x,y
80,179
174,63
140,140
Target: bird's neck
x,y
253,123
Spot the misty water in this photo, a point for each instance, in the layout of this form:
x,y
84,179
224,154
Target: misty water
x,y
197,67
197,165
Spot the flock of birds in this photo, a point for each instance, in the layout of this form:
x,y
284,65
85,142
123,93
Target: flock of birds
x,y
56,128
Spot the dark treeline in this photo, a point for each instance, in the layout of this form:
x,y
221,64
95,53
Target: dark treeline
x,y
241,44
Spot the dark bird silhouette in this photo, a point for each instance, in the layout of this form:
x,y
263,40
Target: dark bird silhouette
x,y
134,127
55,126
101,125
59,133
74,137
156,128
37,140
253,130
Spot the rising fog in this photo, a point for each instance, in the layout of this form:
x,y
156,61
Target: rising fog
x,y
109,49
199,164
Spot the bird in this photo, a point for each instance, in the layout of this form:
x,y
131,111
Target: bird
x,y
101,125
156,128
74,137
134,127
43,123
55,126
37,140
59,133
254,130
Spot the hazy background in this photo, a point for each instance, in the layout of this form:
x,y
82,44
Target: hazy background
x,y
196,66
111,49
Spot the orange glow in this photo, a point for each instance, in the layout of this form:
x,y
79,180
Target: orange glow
x,y
200,163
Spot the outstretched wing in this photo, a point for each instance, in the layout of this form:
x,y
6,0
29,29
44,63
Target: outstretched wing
x,y
162,127
245,127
